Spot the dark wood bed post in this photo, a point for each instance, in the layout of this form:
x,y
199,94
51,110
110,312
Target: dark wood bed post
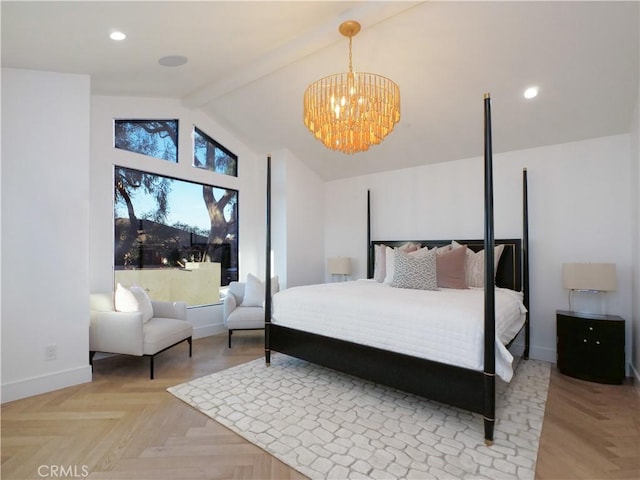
x,y
370,250
489,282
525,260
267,275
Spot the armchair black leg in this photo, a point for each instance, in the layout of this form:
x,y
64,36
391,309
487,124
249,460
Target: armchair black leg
x,y
151,357
91,354
190,340
230,332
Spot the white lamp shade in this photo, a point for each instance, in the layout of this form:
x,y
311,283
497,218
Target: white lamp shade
x,y
339,265
590,276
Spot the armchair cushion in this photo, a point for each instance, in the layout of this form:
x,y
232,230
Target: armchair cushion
x,y
246,318
161,333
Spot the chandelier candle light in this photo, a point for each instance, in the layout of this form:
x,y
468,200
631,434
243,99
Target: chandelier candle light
x,y
349,112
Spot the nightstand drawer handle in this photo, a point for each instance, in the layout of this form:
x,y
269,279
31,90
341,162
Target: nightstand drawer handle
x,y
584,340
591,328
597,342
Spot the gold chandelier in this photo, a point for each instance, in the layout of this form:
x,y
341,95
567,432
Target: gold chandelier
x,y
349,112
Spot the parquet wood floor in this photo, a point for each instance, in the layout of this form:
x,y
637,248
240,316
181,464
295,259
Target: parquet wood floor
x,y
590,431
125,426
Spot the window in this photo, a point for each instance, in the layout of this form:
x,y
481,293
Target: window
x,y
154,138
177,239
210,155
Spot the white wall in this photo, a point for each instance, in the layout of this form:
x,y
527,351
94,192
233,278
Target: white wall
x,y
579,207
250,183
45,231
297,221
635,240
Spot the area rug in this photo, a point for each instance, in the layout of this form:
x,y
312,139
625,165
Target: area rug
x,y
326,424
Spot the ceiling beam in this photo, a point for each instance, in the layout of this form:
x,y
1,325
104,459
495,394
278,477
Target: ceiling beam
x,y
368,14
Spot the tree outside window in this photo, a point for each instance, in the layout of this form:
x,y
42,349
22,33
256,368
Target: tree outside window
x,y
210,155
154,138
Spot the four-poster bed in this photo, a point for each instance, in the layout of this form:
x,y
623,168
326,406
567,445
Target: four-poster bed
x,y
468,388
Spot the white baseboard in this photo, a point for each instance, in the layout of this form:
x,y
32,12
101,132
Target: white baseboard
x,y
206,320
544,354
537,353
45,383
635,376
209,330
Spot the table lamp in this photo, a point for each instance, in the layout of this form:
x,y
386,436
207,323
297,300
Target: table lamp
x,y
589,278
339,266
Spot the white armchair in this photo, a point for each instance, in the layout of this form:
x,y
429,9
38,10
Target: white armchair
x,y
243,305
127,333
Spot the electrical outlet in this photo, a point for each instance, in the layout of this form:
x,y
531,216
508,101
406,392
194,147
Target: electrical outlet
x,y
50,352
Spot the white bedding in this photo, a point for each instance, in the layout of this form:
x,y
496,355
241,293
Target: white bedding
x,y
445,325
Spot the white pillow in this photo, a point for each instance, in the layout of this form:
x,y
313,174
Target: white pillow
x,y
275,285
144,302
253,292
389,267
474,264
125,300
379,266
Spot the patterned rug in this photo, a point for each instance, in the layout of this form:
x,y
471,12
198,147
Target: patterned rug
x,y
327,424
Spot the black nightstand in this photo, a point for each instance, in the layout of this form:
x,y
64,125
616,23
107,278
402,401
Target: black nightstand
x,y
590,346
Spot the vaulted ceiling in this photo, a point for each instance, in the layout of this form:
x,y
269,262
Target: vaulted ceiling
x,y
248,64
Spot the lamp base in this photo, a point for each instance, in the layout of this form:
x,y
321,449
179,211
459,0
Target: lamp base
x,y
587,301
341,277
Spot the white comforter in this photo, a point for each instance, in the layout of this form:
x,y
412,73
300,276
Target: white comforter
x,y
445,325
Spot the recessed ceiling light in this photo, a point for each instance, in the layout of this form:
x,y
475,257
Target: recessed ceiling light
x,y
117,36
531,92
173,60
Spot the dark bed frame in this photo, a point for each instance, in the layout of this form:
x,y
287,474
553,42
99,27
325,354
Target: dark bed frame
x,y
461,387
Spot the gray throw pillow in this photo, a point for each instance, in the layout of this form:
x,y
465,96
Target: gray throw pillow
x,y
415,271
